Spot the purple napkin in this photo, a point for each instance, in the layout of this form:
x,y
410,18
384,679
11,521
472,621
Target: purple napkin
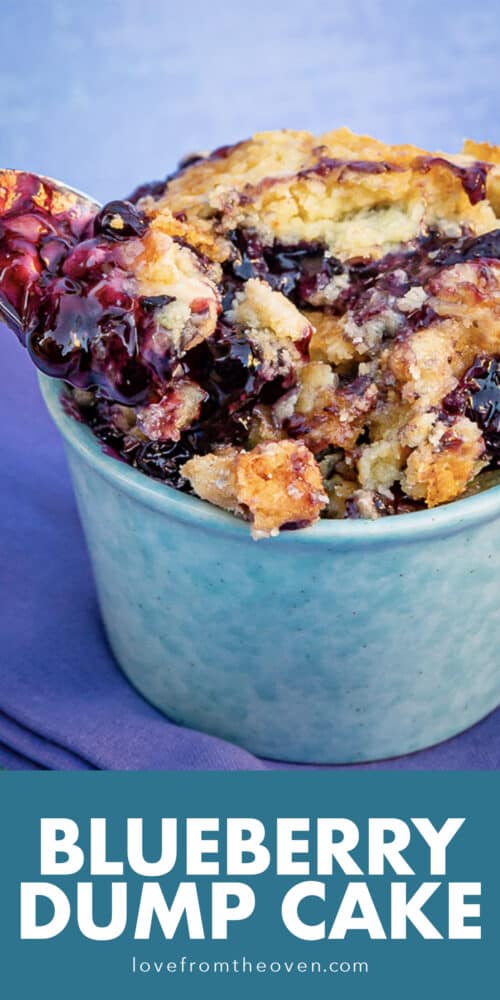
x,y
64,703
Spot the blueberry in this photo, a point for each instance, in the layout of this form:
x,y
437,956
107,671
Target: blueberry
x,y
298,271
151,302
152,189
120,220
163,459
471,248
478,397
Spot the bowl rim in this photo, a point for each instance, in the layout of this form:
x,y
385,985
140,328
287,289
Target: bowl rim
x,y
449,518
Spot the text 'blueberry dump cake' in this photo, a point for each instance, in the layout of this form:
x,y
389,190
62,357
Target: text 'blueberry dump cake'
x,y
292,327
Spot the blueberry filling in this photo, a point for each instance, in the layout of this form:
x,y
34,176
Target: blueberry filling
x,y
90,323
34,242
303,271
327,164
70,298
478,397
119,220
151,189
469,248
298,272
472,178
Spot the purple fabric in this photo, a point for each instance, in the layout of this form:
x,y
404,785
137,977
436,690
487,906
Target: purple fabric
x,y
12,761
64,703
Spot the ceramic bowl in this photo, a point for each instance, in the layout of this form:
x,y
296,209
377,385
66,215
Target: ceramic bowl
x,y
348,641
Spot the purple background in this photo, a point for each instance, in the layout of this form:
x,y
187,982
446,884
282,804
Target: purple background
x,y
108,100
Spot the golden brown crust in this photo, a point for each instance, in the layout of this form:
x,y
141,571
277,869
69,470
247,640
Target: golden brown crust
x,y
370,389
177,410
280,484
332,415
353,193
275,484
213,477
440,468
163,266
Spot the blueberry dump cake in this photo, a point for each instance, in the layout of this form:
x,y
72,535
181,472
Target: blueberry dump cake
x,y
292,327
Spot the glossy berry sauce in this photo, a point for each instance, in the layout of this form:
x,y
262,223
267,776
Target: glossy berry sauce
x,y
228,369
35,239
301,272
66,291
473,178
478,397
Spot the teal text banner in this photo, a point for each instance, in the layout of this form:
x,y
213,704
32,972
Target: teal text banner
x,y
321,884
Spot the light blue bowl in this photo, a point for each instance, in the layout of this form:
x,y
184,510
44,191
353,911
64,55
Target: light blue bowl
x,y
348,641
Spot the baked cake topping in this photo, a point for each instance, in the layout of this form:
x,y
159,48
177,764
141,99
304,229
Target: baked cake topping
x,y
291,327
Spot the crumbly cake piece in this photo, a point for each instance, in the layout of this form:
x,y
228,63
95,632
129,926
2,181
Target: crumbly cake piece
x,y
291,327
277,484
